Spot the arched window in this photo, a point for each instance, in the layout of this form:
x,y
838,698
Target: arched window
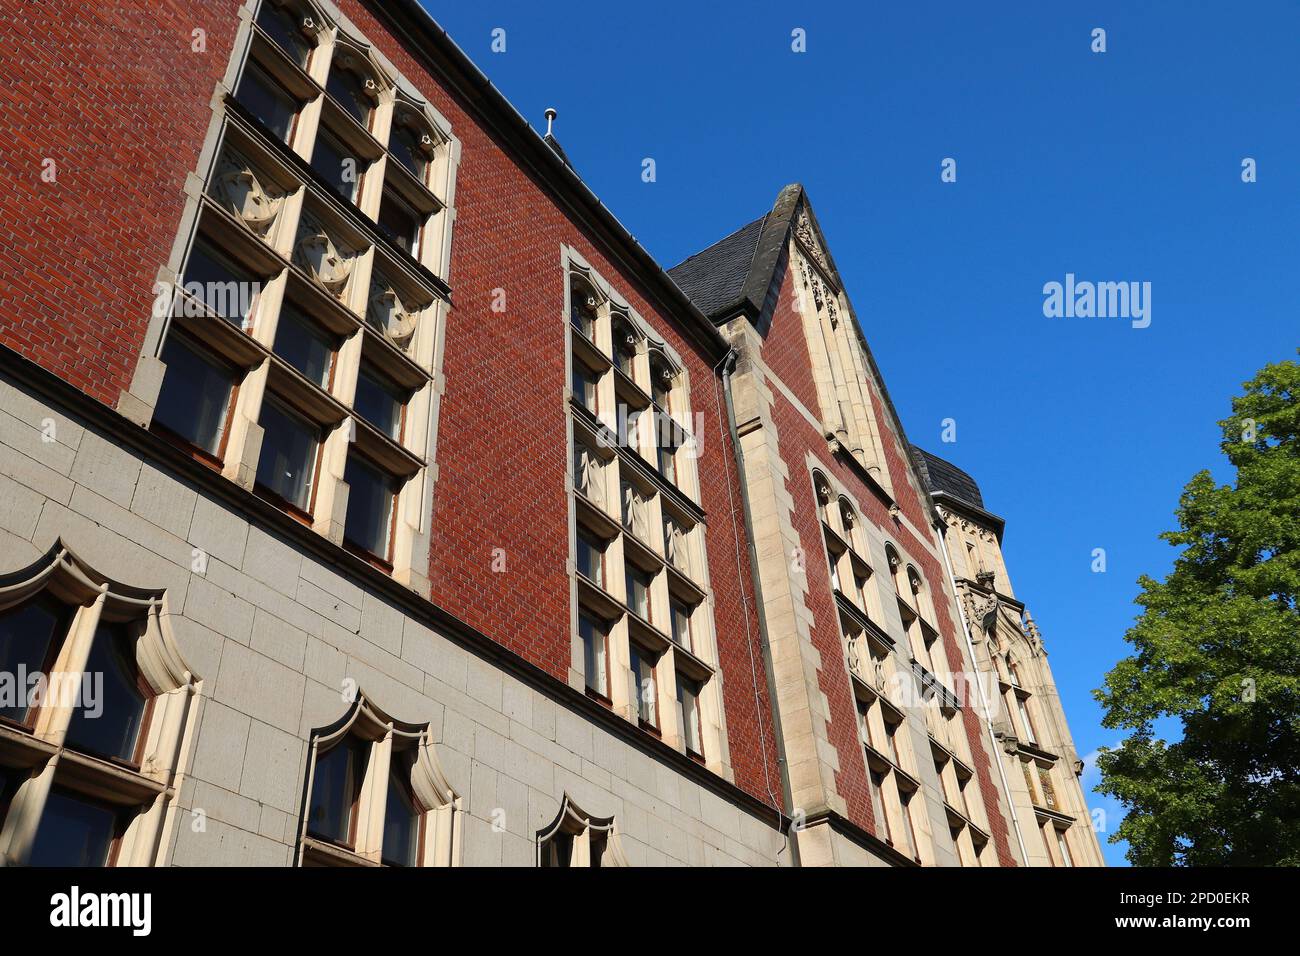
x,y
293,26
822,489
625,348
583,302
578,839
97,704
354,84
376,795
848,520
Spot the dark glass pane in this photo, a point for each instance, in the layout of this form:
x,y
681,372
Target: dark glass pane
x,y
681,625
593,645
111,710
370,507
300,343
334,790
337,166
26,635
638,591
590,557
401,821
226,289
73,832
288,455
405,145
400,223
194,397
263,97
584,386
349,90
558,851
378,403
284,28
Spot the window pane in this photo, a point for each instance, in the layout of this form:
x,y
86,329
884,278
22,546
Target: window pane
x,y
878,804
288,456
591,558
401,820
225,288
370,507
582,315
263,97
73,832
593,644
111,710
558,851
688,713
27,634
195,396
406,144
334,790
285,29
584,386
641,683
378,402
340,169
349,90
638,591
681,624
399,222
300,343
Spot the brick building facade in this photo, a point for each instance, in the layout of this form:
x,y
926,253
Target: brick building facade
x,y
399,508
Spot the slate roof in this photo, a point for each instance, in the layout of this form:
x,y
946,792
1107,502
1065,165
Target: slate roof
x,y
945,477
715,278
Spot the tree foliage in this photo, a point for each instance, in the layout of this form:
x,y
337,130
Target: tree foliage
x,y
1217,646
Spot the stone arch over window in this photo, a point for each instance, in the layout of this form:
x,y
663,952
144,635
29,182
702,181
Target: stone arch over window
x,y
575,838
895,568
297,27
375,795
93,733
357,81
822,491
848,520
585,301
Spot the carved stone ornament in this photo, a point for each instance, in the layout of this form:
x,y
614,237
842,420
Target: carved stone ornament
x,y
316,253
386,312
982,610
238,189
803,230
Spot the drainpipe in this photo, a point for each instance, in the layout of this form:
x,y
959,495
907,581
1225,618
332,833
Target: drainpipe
x,y
787,794
942,527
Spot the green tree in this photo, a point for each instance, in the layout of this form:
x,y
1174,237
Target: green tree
x,y
1218,648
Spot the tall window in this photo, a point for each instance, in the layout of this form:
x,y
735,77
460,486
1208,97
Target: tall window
x,y
377,796
331,336
575,838
94,734
640,579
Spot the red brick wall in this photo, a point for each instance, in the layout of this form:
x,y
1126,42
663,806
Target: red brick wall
x,y
784,351
113,93
502,449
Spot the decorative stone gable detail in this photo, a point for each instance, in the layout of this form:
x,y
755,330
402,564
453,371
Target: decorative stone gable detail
x,y
315,253
387,313
238,189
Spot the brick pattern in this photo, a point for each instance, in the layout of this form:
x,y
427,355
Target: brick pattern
x,y
112,93
81,257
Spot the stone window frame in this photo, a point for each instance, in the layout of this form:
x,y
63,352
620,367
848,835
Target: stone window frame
x,y
596,480
252,201
144,794
590,841
441,816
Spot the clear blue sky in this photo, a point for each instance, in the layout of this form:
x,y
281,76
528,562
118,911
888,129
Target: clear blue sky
x,y
1117,166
